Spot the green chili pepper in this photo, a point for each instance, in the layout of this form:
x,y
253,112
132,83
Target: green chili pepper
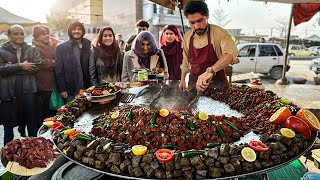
x,y
192,153
152,121
169,146
83,137
230,124
130,115
213,144
191,124
221,133
183,113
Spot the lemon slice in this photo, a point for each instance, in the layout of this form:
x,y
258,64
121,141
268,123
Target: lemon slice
x,y
248,154
139,150
69,131
288,133
285,101
115,115
203,116
48,123
164,112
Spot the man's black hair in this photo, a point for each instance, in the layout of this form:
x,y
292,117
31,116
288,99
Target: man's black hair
x,y
142,23
198,6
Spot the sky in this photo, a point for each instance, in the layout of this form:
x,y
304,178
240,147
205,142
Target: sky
x,y
252,17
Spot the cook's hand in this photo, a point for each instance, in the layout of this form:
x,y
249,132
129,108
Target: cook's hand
x,y
203,81
28,66
182,86
64,95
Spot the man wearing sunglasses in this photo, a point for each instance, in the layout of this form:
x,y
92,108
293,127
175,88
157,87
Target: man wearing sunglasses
x,y
207,50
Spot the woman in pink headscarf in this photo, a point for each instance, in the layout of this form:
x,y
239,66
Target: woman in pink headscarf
x,y
171,44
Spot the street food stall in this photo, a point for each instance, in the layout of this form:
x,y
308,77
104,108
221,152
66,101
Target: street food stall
x,y
165,133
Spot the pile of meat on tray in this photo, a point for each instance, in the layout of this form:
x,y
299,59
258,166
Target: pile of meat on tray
x,y
30,152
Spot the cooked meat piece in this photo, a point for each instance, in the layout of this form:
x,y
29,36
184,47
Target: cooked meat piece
x,y
102,157
114,158
224,149
148,171
184,161
247,166
91,153
187,174
169,166
137,172
257,165
177,165
169,174
136,161
93,144
229,168
185,168
210,162
124,164
223,159
276,159
214,152
177,173
202,173
99,165
115,169
195,160
154,164
147,158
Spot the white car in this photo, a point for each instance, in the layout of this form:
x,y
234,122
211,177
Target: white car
x,y
315,65
264,58
315,48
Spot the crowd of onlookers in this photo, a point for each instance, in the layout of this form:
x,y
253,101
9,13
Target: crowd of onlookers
x,y
30,73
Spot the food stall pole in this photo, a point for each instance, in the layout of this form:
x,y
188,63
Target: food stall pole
x,y
283,80
181,18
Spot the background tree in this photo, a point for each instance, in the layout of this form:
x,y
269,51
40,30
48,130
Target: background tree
x,y
220,17
282,26
59,21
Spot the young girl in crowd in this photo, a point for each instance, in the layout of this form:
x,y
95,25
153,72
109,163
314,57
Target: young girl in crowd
x,y
105,62
171,44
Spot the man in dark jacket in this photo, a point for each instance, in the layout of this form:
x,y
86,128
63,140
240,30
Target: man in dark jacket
x,y
18,66
72,62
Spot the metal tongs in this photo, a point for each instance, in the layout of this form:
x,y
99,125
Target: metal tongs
x,y
199,93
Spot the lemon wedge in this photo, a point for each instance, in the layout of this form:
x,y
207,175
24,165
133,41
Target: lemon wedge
x,y
288,133
115,115
248,154
203,116
164,112
139,150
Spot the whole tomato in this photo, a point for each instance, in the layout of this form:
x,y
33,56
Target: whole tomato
x,y
298,125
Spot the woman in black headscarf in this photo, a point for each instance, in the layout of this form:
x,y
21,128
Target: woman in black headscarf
x,y
105,62
144,55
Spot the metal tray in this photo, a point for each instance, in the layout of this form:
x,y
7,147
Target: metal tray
x,y
150,97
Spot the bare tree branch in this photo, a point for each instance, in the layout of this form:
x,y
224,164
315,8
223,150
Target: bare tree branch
x,y
220,17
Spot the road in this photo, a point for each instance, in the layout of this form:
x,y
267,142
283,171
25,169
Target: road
x,y
298,68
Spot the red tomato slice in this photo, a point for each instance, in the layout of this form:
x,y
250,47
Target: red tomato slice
x,y
73,135
56,125
62,109
258,146
164,155
49,119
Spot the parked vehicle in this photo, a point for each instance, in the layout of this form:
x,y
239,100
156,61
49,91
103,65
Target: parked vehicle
x,y
315,48
265,58
300,50
315,65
